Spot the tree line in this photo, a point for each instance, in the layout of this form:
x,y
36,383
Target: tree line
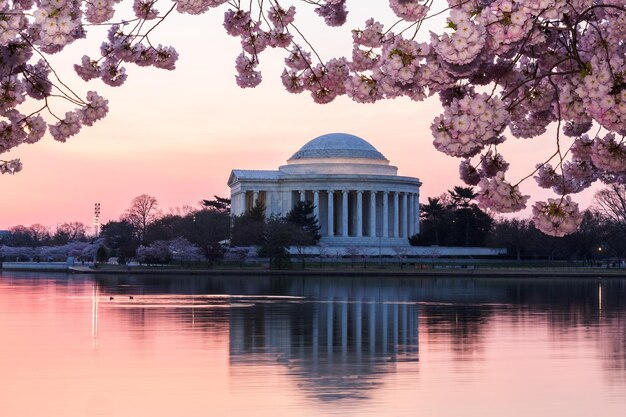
x,y
454,219
209,233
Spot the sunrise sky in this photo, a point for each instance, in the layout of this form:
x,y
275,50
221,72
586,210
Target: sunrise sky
x,y
176,135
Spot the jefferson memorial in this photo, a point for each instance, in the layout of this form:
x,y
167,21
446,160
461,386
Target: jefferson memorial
x,y
359,198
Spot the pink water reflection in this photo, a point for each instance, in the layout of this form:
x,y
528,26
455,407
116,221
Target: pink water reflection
x,y
68,350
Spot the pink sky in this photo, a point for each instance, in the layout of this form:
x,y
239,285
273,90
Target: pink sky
x,y
176,135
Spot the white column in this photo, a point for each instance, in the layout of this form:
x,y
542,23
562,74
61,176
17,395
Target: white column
x,y
359,213
409,197
416,218
239,204
405,216
316,204
331,213
302,196
344,214
255,197
373,213
290,202
385,214
268,204
396,215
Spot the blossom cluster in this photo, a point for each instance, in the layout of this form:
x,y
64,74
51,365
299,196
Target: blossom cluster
x,y
334,12
499,195
592,159
557,217
35,28
10,167
197,6
490,165
162,251
465,44
469,124
409,10
95,109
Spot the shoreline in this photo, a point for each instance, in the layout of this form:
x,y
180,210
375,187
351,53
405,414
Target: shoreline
x,y
538,272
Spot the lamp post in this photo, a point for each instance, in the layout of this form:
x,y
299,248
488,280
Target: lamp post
x,y
96,219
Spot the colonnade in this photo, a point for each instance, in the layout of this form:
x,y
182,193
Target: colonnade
x,y
336,326
356,213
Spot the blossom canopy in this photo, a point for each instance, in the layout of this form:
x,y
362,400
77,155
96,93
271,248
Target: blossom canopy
x,y
502,69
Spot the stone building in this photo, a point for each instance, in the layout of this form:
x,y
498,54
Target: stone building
x,y
359,198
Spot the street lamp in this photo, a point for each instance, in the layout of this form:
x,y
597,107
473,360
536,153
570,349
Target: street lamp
x,y
96,219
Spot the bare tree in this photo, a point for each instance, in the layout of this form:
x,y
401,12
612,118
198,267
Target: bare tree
x,y
323,253
353,252
68,232
611,201
183,211
433,252
401,253
40,234
143,210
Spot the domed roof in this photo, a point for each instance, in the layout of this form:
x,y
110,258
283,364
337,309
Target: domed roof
x,y
338,145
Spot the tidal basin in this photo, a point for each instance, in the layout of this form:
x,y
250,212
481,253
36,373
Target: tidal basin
x,y
310,346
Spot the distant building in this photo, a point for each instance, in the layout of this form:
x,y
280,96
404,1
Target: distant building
x,y
358,196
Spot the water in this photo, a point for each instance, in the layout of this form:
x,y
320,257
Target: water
x,y
249,346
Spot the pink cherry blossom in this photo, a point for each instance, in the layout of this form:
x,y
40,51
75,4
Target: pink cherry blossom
x,y
280,17
469,124
608,154
197,6
144,9
557,217
247,76
334,12
464,44
95,109
409,10
497,194
492,164
371,36
10,167
69,126
546,176
468,174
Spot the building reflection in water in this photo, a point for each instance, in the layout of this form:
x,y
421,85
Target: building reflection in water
x,y
335,348
342,338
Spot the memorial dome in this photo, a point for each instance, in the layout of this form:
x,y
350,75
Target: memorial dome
x,y
338,145
357,195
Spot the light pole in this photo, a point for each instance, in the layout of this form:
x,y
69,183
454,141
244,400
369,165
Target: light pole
x,y
96,219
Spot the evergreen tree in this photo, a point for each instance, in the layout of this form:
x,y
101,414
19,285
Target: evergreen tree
x,y
302,215
459,222
434,225
220,204
121,237
249,229
276,240
257,212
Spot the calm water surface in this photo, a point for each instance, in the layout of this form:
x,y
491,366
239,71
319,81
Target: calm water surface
x,y
248,346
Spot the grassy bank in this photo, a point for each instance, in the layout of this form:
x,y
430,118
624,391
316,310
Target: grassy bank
x,y
365,270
